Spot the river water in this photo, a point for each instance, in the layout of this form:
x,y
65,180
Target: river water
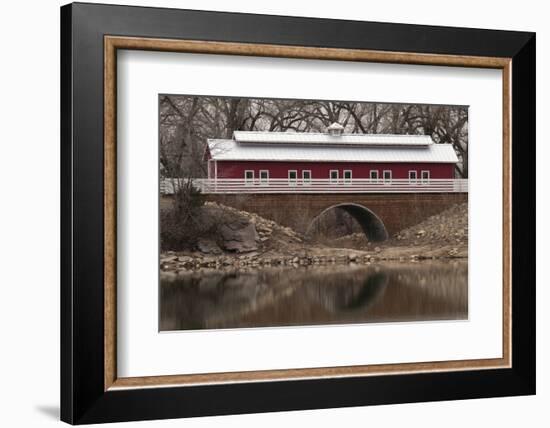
x,y
335,294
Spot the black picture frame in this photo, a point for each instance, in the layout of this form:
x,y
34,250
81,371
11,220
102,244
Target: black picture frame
x,y
83,398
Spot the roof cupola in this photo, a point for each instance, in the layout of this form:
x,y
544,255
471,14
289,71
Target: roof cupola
x,y
335,129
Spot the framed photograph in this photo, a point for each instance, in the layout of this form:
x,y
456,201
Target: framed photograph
x,y
266,213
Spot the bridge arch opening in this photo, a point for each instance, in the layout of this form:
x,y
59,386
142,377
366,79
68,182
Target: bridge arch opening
x,y
371,225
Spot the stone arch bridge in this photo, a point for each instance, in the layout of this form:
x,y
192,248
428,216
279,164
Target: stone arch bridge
x,y
380,215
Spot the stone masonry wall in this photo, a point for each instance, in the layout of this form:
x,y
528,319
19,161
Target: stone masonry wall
x,y
397,211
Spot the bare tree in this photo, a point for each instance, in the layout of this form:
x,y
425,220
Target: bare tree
x,y
186,122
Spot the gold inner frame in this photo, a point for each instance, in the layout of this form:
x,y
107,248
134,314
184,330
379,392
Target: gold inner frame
x,y
113,43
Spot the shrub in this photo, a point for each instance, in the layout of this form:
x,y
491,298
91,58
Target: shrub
x,y
182,225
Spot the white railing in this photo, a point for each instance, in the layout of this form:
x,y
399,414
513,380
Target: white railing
x,y
230,185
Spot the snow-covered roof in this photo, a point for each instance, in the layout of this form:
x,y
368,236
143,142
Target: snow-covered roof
x,y
315,138
322,147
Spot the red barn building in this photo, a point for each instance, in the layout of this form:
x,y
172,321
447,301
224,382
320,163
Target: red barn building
x,y
338,158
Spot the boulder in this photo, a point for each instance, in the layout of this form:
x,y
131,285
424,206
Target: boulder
x,y
208,246
239,237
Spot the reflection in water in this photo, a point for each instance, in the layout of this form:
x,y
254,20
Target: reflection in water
x,y
315,295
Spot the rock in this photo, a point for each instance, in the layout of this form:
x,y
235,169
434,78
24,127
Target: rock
x,y
239,237
208,246
288,231
377,249
263,228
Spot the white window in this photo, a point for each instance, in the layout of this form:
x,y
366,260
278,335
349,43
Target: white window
x,y
306,176
347,176
264,176
387,176
412,177
292,177
333,176
425,176
374,175
249,177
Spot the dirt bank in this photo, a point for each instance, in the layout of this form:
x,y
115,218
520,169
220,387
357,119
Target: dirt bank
x,y
439,236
